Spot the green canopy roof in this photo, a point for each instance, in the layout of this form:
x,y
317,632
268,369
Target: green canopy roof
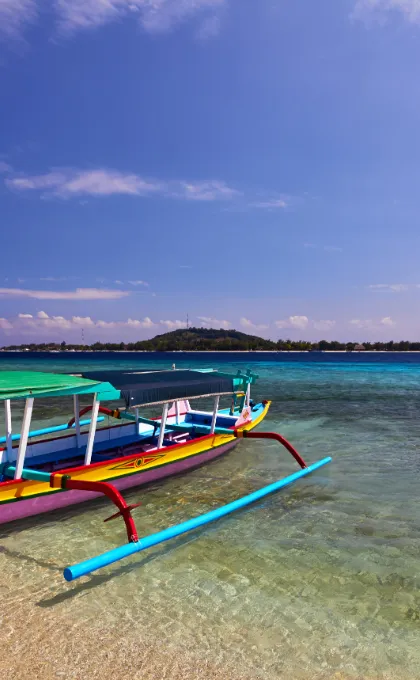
x,y
23,384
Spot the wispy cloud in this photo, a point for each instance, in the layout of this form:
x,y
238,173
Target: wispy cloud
x,y
42,324
209,28
15,15
391,287
173,325
366,9
5,324
52,278
271,204
71,16
4,167
324,324
250,325
203,191
138,283
211,322
78,294
67,183
373,324
155,16
303,322
300,322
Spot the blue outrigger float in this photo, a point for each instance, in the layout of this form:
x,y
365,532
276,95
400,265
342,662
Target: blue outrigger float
x,y
40,476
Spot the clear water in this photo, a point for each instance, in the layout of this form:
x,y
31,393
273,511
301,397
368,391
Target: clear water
x,y
319,581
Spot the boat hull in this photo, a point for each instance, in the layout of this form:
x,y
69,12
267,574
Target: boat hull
x,y
25,498
61,499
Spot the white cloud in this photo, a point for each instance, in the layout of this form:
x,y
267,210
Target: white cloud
x,y
15,15
300,322
44,325
155,16
173,325
145,323
371,324
211,322
138,283
68,183
324,324
78,294
250,325
389,287
361,323
410,9
270,204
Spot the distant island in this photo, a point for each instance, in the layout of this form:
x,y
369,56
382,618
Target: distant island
x,y
209,339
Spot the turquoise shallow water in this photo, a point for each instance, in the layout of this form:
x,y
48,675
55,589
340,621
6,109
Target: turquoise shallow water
x,y
318,581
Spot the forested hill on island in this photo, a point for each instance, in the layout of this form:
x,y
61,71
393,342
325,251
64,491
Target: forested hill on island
x,y
209,339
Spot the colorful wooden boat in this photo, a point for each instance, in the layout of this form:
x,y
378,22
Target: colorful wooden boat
x,y
135,450
41,474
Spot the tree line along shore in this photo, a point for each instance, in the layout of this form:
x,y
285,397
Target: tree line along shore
x,y
208,339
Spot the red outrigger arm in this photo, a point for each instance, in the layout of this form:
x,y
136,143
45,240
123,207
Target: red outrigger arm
x,y
124,510
273,435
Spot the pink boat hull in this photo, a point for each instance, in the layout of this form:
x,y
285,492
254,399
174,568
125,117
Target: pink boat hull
x,y
53,501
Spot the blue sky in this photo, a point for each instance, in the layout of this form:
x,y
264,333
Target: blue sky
x,y
252,164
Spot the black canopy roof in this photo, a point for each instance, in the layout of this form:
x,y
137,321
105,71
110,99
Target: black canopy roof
x,y
149,387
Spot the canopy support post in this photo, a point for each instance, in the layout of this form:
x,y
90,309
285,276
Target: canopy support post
x,y
8,424
92,430
214,418
76,410
136,413
26,423
248,395
177,412
163,425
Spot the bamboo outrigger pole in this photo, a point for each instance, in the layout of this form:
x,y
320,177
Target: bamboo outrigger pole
x,y
84,568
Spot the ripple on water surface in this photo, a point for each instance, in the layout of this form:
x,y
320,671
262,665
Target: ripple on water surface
x,y
318,581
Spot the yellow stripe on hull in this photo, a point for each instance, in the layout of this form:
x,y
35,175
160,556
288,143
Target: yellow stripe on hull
x,y
121,467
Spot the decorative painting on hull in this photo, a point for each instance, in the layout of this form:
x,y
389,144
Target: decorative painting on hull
x,y
139,462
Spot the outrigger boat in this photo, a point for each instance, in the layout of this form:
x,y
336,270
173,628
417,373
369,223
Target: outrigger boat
x,y
39,475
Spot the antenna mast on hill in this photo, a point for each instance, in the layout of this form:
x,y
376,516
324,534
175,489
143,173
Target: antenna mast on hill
x,y
188,322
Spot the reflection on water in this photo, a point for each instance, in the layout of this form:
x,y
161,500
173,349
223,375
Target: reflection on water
x,y
319,581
